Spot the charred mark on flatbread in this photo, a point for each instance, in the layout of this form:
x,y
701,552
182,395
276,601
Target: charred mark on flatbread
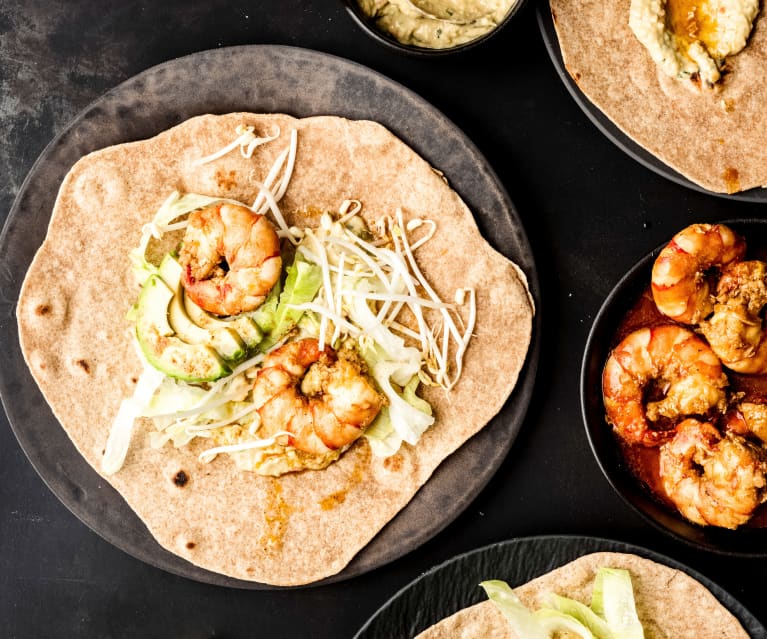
x,y
393,463
190,545
331,501
732,179
84,365
181,479
42,309
226,181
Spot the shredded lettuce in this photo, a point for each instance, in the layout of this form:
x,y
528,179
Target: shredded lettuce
x,y
384,437
612,614
130,409
265,315
522,620
301,285
554,621
613,599
582,613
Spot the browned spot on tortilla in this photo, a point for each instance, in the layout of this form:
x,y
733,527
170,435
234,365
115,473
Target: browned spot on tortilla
x,y
84,365
312,211
331,501
134,379
728,104
226,181
276,514
181,479
393,463
41,366
732,179
190,545
695,79
573,73
577,76
43,309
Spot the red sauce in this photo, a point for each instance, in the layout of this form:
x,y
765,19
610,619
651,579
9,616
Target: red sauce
x,y
644,462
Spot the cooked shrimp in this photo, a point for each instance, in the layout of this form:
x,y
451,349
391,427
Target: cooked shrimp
x,y
231,258
680,285
735,330
748,418
713,479
667,361
321,397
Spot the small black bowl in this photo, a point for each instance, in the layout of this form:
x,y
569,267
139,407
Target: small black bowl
x,y
745,541
369,26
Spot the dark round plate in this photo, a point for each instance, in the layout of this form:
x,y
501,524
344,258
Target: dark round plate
x,y
453,585
613,133
745,541
279,79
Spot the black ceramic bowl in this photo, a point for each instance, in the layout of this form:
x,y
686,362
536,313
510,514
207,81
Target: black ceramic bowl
x,y
746,541
369,26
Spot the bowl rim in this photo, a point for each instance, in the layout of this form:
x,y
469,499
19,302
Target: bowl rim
x,y
366,24
629,284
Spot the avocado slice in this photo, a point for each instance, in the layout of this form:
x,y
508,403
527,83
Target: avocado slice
x,y
163,348
244,326
223,338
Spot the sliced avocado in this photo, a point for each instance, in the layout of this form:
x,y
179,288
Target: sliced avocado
x,y
245,327
162,347
224,339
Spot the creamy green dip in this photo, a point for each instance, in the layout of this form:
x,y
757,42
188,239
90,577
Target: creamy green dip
x,y
688,38
436,24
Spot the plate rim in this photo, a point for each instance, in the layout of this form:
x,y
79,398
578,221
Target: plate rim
x,y
520,396
751,624
612,132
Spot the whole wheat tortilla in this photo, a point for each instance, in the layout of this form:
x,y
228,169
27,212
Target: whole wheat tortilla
x,y
670,604
717,139
300,527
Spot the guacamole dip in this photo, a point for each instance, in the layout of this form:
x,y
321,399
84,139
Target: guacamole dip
x,y
436,24
692,38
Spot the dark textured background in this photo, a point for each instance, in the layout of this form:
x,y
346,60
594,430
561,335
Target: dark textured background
x,y
589,210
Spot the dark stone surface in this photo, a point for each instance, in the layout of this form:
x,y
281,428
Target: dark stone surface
x,y
589,210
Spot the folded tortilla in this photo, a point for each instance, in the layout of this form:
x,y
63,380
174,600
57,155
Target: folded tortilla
x,y
300,527
670,604
716,138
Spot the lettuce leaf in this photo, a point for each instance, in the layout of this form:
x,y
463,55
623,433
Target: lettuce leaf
x,y
301,285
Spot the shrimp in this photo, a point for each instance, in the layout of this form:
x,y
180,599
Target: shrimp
x,y
748,418
668,361
680,287
735,330
321,397
231,258
713,479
